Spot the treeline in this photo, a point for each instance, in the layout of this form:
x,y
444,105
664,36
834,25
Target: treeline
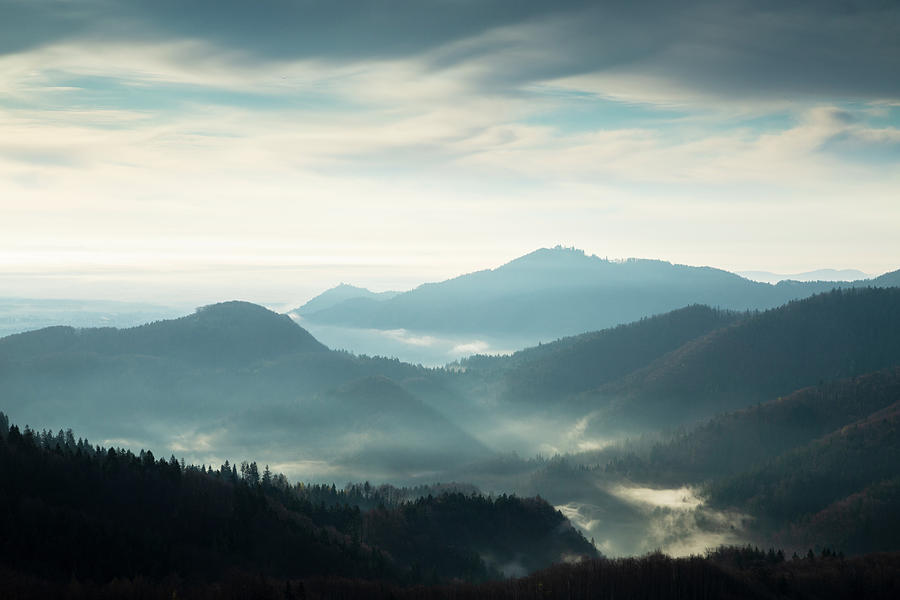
x,y
726,574
368,496
70,510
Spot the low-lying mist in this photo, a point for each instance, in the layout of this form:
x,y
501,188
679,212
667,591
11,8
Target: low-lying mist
x,y
351,435
428,349
628,519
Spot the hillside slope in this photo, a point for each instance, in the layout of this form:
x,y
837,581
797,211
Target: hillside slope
x,y
589,360
827,337
226,333
227,381
739,440
69,510
844,468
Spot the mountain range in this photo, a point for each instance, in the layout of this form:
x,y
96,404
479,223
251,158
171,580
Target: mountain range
x,y
706,402
556,292
817,275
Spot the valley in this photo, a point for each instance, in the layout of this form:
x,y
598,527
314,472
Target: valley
x,y
641,434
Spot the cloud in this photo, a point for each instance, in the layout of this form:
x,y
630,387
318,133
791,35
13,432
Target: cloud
x,y
195,442
473,347
683,498
406,337
520,123
655,50
626,519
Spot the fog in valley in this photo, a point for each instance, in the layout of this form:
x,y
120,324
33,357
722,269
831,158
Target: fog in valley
x,y
589,422
449,300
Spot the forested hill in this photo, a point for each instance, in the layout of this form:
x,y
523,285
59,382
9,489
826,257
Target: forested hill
x,y
72,511
227,333
237,376
740,440
815,468
557,292
841,489
81,521
823,338
589,360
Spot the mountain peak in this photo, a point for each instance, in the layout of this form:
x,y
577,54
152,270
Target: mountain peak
x,y
556,254
570,257
234,309
242,331
224,333
338,294
554,292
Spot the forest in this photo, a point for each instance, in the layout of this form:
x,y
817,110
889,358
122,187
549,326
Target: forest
x,y
281,462
82,521
70,509
449,299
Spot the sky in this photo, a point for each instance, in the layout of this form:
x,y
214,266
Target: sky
x,y
205,150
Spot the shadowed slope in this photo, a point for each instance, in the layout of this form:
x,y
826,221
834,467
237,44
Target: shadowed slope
x,y
226,333
827,337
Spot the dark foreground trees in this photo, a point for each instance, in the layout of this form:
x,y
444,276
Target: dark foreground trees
x,y
80,521
70,511
654,577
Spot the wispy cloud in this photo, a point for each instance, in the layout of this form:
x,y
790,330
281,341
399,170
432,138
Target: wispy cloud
x,y
731,48
288,122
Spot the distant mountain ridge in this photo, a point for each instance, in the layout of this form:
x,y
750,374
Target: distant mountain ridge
x,y
27,314
338,294
555,292
236,379
817,275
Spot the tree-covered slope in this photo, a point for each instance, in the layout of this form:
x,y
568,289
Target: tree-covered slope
x,y
864,521
840,489
738,440
803,481
827,337
813,469
236,376
220,334
70,510
589,360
